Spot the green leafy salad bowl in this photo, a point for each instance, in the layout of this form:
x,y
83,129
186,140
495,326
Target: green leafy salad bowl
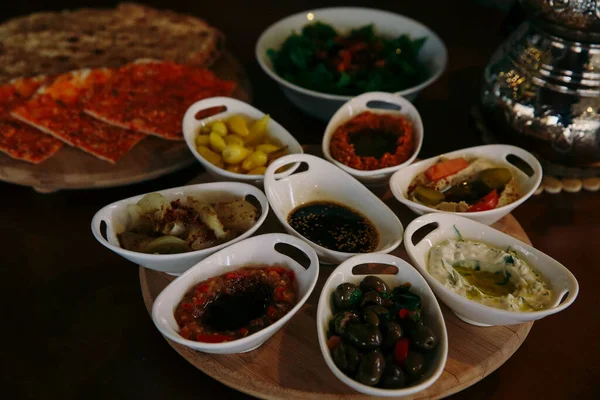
x,y
322,58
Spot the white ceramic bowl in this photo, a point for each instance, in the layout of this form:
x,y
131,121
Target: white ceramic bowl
x,y
191,126
344,19
378,103
324,181
431,311
115,217
496,153
259,250
561,280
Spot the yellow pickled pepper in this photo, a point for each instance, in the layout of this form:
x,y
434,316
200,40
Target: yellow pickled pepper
x,y
237,124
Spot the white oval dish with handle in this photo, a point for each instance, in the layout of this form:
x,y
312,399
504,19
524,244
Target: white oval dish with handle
x,y
431,312
115,217
192,125
377,103
324,181
561,280
344,19
259,250
496,153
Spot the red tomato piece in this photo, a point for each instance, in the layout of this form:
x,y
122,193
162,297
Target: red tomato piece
x,y
401,350
403,313
206,338
333,342
489,202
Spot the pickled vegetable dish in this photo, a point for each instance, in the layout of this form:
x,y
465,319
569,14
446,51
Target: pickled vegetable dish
x,y
324,60
377,335
371,141
335,227
159,226
239,144
461,185
236,304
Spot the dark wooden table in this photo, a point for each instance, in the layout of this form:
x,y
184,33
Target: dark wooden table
x,y
74,322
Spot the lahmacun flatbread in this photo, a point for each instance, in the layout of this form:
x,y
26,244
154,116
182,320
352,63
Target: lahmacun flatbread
x,y
153,96
57,110
17,139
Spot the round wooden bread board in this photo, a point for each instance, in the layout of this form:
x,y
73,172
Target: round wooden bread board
x,y
290,364
72,168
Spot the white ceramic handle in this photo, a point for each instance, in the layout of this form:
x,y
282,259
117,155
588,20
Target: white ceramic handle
x,y
527,157
230,103
372,258
364,99
285,160
415,226
102,215
300,245
572,287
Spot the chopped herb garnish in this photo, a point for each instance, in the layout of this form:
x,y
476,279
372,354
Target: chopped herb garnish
x,y
458,233
509,260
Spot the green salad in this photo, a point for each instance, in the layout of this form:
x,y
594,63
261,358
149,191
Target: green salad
x,y
324,60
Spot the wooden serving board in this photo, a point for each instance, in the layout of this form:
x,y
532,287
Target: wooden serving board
x,y
72,168
290,364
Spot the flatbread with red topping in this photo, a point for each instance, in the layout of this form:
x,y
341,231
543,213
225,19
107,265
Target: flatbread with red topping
x,y
153,96
17,139
57,109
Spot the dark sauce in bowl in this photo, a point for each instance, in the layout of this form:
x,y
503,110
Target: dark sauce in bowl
x,y
335,227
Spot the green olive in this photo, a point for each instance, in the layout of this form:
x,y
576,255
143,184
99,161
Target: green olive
x,y
381,312
370,318
371,298
341,321
371,282
346,296
414,363
495,178
428,196
371,368
364,336
346,357
423,338
393,377
392,333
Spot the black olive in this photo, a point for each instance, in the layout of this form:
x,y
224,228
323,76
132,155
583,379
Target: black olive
x,y
392,333
341,321
364,336
370,299
371,368
346,296
409,325
423,338
346,357
414,363
369,317
339,357
374,283
381,312
353,356
393,377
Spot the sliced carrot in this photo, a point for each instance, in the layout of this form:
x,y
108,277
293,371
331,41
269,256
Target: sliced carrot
x,y
446,168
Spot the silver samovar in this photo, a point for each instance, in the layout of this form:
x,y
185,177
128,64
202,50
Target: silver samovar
x,y
541,90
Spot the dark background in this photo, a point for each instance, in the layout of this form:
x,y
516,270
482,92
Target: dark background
x,y
74,323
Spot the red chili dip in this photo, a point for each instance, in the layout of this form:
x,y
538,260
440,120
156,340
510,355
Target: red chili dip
x,y
373,141
236,304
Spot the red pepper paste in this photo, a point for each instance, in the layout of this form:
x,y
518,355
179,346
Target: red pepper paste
x,y
236,304
373,141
